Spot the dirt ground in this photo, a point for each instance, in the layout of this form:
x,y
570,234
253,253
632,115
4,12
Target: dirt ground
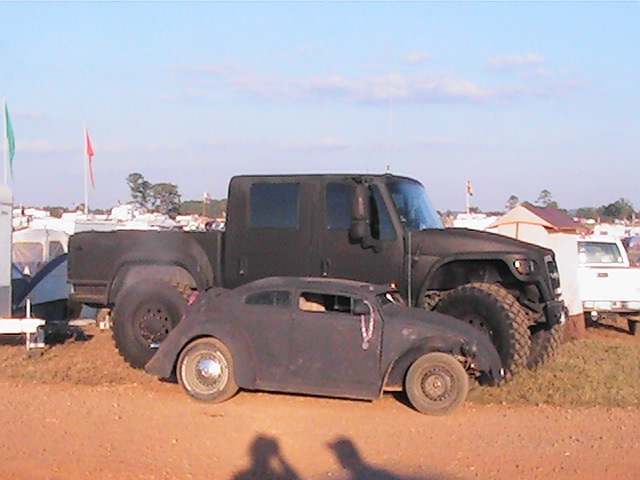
x,y
80,412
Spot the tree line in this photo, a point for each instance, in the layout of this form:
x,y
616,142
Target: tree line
x,y
622,209
165,198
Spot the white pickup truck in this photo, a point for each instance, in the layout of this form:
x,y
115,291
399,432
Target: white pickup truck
x,y
609,285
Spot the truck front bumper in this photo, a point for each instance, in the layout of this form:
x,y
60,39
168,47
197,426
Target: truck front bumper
x,y
554,312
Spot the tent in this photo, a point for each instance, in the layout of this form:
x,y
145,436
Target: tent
x,y
550,228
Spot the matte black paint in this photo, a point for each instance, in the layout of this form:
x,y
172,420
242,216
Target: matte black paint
x,y
290,350
100,263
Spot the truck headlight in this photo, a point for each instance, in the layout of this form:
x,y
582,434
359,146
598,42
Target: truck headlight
x,y
524,266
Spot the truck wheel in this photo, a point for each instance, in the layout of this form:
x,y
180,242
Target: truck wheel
x,y
545,343
436,384
205,371
633,327
144,314
491,308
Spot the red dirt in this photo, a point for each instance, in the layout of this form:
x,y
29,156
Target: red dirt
x,y
94,417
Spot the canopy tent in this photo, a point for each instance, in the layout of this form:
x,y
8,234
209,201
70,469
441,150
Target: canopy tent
x,y
550,228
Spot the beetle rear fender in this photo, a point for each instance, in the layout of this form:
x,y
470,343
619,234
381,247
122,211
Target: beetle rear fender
x,y
243,360
397,370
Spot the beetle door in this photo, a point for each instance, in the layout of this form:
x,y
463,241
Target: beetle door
x,y
332,350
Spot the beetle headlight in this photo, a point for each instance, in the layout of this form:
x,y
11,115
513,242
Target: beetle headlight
x,y
524,266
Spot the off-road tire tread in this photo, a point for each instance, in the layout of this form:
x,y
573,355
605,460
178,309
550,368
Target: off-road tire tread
x,y
545,344
518,335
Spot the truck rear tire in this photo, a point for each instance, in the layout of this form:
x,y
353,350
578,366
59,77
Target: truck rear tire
x,y
144,314
494,310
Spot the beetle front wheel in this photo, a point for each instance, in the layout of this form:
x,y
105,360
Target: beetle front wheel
x,y
436,384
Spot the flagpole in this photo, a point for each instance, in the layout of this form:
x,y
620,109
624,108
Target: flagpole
x,y
467,197
85,162
5,142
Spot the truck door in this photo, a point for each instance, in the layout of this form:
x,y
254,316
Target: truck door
x,y
342,258
270,231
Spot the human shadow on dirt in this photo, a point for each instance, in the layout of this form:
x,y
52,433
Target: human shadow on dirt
x,y
268,463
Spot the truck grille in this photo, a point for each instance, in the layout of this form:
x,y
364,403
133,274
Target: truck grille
x,y
554,275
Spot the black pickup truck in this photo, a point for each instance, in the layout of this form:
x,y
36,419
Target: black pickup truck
x,y
374,228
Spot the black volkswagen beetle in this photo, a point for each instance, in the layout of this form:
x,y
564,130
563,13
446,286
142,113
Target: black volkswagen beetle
x,y
326,337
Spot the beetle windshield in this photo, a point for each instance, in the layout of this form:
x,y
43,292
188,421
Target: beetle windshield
x,y
413,205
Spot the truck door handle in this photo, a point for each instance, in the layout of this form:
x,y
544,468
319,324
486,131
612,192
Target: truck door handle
x,y
325,267
242,266
603,275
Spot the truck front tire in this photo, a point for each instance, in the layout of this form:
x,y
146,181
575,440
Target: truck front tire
x,y
545,343
144,314
493,309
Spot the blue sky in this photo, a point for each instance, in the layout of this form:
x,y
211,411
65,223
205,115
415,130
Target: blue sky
x,y
515,97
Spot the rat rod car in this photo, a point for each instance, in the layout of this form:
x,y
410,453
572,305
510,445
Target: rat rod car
x,y
325,337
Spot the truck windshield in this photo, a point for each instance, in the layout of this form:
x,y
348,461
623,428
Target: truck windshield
x,y
413,205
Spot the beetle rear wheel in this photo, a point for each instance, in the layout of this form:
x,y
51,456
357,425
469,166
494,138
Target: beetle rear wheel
x,y
205,371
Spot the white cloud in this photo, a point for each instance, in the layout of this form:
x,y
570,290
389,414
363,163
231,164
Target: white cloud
x,y
371,89
415,58
515,62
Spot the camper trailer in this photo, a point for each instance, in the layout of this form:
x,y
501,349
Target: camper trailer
x,y
31,328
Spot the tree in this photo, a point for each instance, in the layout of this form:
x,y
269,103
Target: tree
x,y
621,209
546,200
213,209
141,190
512,202
587,212
165,199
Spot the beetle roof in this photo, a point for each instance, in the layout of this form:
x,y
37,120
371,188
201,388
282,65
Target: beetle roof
x,y
327,285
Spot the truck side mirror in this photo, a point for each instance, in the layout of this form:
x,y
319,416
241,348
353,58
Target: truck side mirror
x,y
359,229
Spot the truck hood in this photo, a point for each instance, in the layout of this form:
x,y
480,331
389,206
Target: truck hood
x,y
455,240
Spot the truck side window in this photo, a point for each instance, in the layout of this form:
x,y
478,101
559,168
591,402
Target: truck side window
x,y
278,298
381,224
338,201
274,205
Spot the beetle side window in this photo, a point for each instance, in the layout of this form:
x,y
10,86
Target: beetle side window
x,y
322,302
273,205
277,298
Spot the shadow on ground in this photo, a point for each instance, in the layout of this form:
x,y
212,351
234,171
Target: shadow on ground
x,y
268,463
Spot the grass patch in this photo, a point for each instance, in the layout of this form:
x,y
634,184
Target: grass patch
x,y
589,372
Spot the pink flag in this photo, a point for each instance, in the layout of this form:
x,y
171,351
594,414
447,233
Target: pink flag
x,y
90,155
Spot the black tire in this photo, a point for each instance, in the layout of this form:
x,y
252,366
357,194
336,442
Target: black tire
x,y
143,316
205,371
436,384
633,326
491,308
545,343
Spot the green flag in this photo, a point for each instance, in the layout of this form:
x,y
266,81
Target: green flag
x,y
11,142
